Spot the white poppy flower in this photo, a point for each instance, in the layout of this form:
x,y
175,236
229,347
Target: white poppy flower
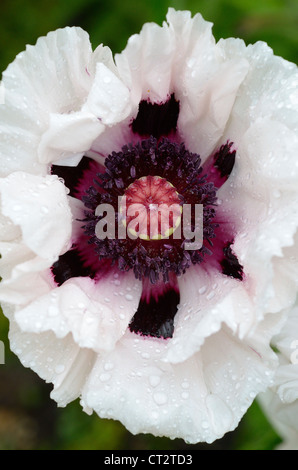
x,y
167,339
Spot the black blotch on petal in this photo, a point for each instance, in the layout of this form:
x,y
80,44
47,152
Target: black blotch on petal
x,y
224,160
69,265
71,174
230,264
156,317
156,119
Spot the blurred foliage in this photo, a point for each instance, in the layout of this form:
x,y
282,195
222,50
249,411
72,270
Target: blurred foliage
x,y
112,21
28,418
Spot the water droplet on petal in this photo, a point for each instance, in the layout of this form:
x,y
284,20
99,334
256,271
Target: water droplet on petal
x,y
160,398
104,377
154,380
59,368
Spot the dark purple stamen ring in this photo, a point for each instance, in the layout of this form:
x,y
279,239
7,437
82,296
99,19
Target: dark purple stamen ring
x,y
168,160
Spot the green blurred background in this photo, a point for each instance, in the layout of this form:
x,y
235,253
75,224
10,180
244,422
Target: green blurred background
x,y
28,418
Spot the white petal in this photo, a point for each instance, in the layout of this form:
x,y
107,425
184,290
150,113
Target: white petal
x,y
145,68
198,400
198,316
283,417
262,205
189,64
49,77
8,231
210,98
204,80
285,280
30,202
68,137
209,300
270,150
18,290
269,90
59,361
108,99
12,254
102,54
280,402
97,314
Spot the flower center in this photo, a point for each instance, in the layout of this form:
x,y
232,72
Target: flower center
x,y
145,186
150,208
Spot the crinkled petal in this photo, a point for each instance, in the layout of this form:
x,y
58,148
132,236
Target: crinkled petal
x,y
97,314
30,202
269,90
40,119
68,137
194,400
285,280
109,98
145,68
205,81
12,254
8,231
58,361
210,98
31,270
209,300
49,77
189,64
280,401
283,418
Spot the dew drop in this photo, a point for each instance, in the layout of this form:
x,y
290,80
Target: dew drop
x,y
160,398
185,384
59,368
210,295
154,380
145,355
104,377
